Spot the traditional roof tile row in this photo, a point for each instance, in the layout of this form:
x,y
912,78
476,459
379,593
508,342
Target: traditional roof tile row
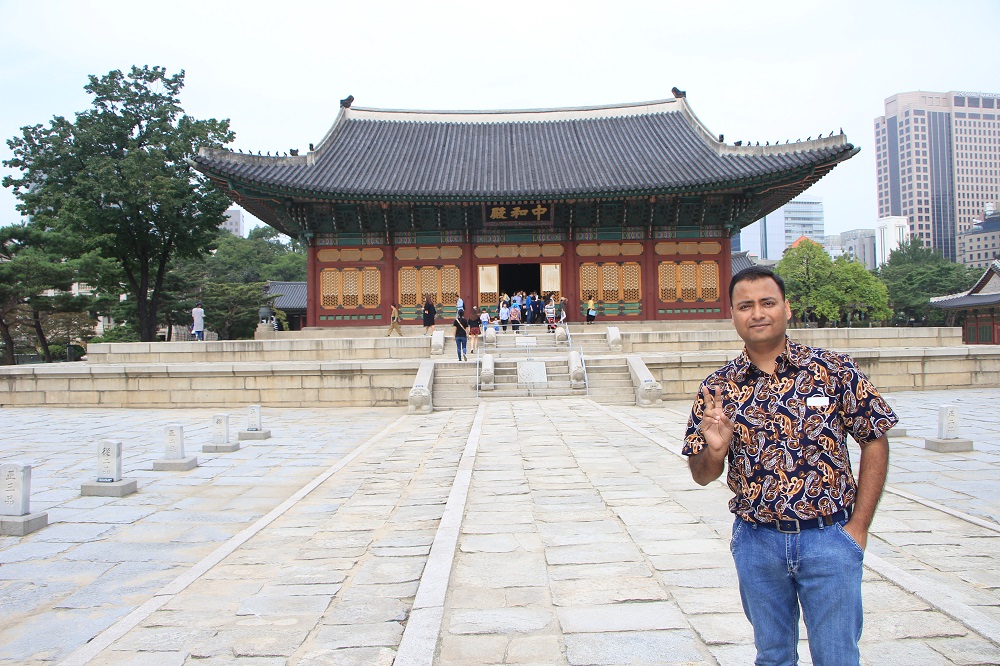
x,y
490,156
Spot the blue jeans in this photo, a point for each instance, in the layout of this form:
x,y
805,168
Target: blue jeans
x,y
460,344
819,569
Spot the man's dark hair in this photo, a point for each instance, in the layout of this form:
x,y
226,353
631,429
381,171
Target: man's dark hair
x,y
754,273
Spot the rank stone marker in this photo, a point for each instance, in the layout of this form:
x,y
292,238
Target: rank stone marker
x,y
16,518
109,473
173,459
948,440
895,432
255,428
220,436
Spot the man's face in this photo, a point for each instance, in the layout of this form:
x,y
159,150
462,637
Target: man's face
x,y
760,313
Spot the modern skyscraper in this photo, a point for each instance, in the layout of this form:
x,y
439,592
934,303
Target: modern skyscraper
x,y
234,222
938,162
768,237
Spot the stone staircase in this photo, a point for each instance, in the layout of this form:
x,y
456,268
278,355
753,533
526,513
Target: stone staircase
x,y
609,380
454,385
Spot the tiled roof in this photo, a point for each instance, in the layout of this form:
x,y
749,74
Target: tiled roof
x,y
984,293
293,295
740,261
492,156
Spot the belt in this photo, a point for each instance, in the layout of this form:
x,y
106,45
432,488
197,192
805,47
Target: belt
x,y
794,525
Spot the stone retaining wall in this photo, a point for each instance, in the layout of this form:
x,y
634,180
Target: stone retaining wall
x,y
208,385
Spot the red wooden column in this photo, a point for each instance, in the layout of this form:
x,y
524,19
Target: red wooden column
x,y
312,287
388,281
725,275
650,280
571,281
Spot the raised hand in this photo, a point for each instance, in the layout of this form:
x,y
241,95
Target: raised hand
x,y
715,427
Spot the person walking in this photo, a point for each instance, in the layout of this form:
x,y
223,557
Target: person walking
x,y
198,321
779,415
591,312
550,314
504,315
474,329
394,321
429,315
561,310
461,325
515,317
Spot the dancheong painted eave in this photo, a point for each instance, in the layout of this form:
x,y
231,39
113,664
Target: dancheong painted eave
x,y
623,150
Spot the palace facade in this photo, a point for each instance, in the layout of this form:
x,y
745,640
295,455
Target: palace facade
x,y
631,205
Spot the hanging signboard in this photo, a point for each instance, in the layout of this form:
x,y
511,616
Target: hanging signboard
x,y
508,216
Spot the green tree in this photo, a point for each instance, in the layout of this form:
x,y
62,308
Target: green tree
x,y
28,268
862,295
117,179
808,274
231,309
913,274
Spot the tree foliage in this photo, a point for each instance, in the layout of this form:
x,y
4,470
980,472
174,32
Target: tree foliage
x,y
831,292
913,274
117,180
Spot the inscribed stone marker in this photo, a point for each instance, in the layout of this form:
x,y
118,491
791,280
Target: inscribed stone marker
x,y
220,429
109,461
254,418
16,518
948,422
16,478
174,436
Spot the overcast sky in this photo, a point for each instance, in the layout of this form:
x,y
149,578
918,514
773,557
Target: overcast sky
x,y
757,71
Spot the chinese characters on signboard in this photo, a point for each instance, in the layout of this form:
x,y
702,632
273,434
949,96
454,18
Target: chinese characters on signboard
x,y
518,215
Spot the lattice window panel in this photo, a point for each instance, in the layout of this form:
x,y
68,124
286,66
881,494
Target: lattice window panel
x,y
408,287
329,288
351,284
631,287
450,287
370,282
589,280
428,284
609,283
688,278
668,281
709,281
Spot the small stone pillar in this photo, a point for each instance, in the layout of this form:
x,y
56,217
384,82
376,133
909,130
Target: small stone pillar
x,y
614,339
487,373
489,336
562,336
255,425
577,376
948,440
109,473
895,432
220,436
173,459
16,518
437,343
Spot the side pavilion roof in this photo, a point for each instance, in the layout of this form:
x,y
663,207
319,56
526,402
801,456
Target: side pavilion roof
x,y
985,293
551,154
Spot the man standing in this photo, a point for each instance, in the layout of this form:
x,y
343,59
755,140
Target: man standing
x,y
780,414
198,321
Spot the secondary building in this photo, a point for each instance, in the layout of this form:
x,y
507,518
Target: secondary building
x,y
631,205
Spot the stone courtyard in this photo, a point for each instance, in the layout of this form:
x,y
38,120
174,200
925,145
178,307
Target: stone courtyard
x,y
369,536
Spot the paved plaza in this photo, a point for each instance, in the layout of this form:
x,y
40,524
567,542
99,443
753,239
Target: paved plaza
x,y
367,536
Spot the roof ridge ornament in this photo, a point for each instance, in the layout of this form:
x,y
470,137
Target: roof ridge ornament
x,y
346,102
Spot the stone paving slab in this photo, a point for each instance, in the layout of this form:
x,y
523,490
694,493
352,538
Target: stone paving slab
x,y
582,540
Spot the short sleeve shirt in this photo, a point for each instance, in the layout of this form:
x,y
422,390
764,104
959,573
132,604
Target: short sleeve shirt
x,y
789,457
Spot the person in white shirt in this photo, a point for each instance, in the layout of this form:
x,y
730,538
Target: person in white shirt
x,y
198,319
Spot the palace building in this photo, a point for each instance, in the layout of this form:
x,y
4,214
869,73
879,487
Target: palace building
x,y
632,205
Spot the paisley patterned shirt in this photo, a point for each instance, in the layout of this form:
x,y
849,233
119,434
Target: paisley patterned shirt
x,y
788,457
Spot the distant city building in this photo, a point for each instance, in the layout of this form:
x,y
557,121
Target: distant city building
x,y
234,222
938,162
859,245
833,245
890,233
980,245
768,237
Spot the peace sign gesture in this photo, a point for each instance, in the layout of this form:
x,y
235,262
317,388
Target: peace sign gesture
x,y
715,427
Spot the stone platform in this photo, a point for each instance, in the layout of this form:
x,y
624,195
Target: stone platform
x,y
451,538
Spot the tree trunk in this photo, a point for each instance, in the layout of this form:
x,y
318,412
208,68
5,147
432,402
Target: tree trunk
x,y
8,344
36,320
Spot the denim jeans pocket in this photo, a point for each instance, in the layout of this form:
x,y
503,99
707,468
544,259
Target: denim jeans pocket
x,y
854,544
738,526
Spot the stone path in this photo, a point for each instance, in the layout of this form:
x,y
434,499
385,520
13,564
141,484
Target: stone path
x,y
576,538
